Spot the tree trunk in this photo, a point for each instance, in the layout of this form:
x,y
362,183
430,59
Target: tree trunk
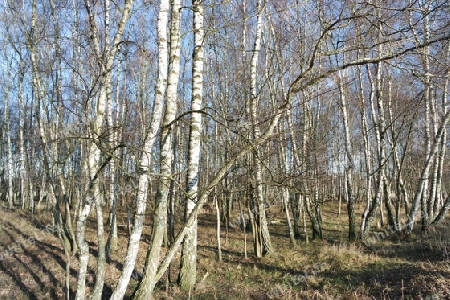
x,y
350,165
9,156
188,268
425,199
94,164
261,236
145,159
285,197
367,152
378,116
438,201
425,173
285,202
146,286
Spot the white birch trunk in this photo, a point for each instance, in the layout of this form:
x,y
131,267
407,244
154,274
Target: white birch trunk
x,y
424,181
401,193
113,140
145,159
261,234
189,253
378,116
38,96
367,153
426,172
297,203
94,157
285,167
424,200
438,202
149,281
285,201
350,165
9,156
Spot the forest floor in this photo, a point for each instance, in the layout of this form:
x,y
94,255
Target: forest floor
x,y
32,263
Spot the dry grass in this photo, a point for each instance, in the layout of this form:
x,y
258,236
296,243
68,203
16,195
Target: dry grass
x,y
392,268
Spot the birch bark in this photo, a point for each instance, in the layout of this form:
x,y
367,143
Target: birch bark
x,y
261,236
189,253
146,157
94,153
350,165
367,152
9,156
438,201
146,286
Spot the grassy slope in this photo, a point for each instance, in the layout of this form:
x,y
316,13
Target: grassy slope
x,y
32,264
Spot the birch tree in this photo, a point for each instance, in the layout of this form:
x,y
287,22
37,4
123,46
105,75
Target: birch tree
x,y
438,200
286,167
94,164
189,254
261,236
146,157
6,126
146,286
350,165
367,150
378,117
425,193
